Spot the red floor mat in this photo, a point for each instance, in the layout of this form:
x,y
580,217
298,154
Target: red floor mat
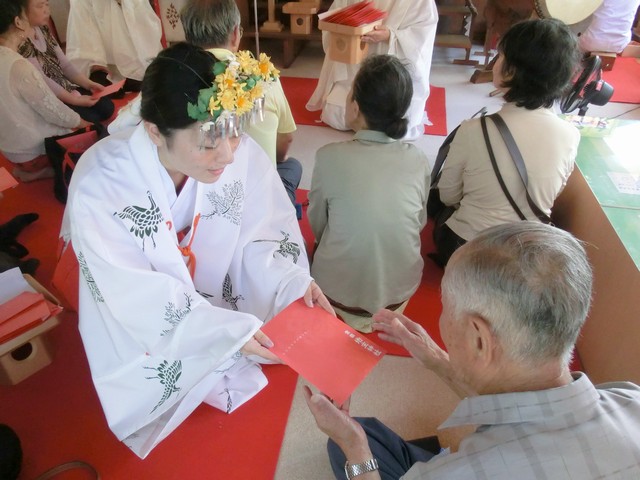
x,y
58,418
299,90
625,78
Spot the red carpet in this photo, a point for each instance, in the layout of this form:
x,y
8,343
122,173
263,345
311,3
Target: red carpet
x,y
58,418
299,90
625,78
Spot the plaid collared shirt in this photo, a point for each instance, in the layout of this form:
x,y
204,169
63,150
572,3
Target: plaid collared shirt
x,y
573,432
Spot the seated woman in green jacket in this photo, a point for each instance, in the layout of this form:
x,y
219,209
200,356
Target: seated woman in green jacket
x,y
367,204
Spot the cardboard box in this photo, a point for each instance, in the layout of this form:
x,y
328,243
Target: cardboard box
x,y
344,41
29,352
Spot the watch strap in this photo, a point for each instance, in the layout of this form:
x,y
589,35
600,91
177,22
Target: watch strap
x,y
353,470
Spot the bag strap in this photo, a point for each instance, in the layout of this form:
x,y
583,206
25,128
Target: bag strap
x,y
494,164
443,151
516,156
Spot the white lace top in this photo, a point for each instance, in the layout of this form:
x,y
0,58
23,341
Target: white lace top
x,y
30,110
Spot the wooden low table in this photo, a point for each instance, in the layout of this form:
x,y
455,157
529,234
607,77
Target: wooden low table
x,y
608,221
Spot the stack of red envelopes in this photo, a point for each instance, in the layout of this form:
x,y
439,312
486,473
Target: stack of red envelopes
x,y
23,312
356,15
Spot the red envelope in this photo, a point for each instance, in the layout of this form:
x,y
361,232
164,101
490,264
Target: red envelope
x,y
22,313
113,88
6,180
322,349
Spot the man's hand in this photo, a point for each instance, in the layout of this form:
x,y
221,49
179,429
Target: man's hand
x,y
380,33
337,423
259,345
314,295
396,328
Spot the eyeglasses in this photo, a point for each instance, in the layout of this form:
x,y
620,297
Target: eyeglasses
x,y
240,30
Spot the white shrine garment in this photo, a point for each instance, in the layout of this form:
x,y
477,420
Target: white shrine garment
x,y
412,28
105,33
158,342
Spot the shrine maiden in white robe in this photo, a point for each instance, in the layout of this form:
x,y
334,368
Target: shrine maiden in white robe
x,y
158,342
106,33
412,29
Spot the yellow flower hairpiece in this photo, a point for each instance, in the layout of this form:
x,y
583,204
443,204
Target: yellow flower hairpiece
x,y
236,89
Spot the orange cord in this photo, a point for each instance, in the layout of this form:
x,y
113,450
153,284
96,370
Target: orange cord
x,y
186,251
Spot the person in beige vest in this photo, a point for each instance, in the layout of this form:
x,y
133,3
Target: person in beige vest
x,y
537,59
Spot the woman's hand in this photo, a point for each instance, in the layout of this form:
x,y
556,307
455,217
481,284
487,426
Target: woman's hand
x,y
396,328
314,295
259,345
83,123
380,33
94,87
83,101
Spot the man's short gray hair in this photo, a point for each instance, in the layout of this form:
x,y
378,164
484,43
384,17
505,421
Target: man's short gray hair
x,y
209,23
531,282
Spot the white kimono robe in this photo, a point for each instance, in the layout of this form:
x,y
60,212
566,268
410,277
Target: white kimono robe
x,y
158,342
412,27
105,33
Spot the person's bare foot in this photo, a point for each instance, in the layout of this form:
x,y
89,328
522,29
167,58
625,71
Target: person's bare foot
x,y
26,177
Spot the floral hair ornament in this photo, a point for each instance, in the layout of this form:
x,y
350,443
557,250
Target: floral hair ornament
x,y
236,97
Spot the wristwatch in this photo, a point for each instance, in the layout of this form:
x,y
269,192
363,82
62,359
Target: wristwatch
x,y
352,471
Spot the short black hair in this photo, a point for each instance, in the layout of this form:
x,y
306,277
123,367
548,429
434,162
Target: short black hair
x,y
540,57
209,23
383,90
172,80
9,10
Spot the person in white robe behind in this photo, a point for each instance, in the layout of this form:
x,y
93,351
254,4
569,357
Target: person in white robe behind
x,y
123,33
610,27
408,32
185,247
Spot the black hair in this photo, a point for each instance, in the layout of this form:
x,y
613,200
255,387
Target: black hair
x,y
383,90
209,23
172,80
9,10
540,58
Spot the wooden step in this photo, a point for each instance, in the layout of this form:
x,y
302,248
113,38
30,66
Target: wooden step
x,y
453,41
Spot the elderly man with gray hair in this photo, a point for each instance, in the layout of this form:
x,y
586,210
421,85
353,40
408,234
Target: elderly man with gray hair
x,y
215,26
514,300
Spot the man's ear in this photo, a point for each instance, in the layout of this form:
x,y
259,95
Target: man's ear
x,y
481,340
154,134
236,36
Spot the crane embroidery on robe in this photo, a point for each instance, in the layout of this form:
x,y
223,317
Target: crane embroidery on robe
x,y
168,376
236,356
227,293
175,315
91,283
205,294
229,204
286,247
229,401
145,220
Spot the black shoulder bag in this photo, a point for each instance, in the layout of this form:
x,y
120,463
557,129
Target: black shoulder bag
x,y
517,160
436,210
